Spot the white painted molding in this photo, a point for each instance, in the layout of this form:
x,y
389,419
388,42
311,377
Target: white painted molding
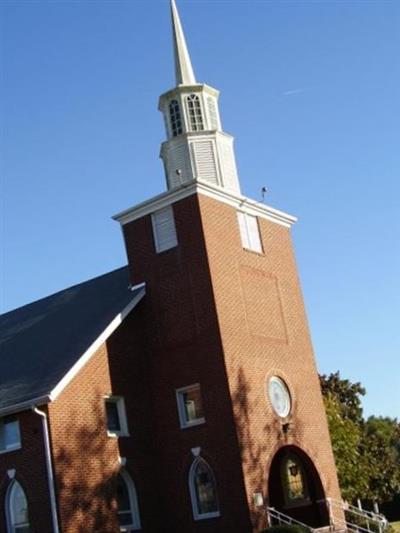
x,y
187,89
242,203
69,376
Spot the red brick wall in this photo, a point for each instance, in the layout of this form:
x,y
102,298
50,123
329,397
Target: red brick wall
x,y
184,347
85,458
228,319
29,463
214,314
129,372
264,332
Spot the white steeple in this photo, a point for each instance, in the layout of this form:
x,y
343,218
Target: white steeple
x,y
184,74
196,147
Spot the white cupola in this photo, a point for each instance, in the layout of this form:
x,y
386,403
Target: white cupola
x,y
196,147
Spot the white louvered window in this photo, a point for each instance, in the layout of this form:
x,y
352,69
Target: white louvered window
x,y
164,229
194,112
204,160
249,232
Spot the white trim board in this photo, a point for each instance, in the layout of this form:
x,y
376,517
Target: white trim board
x,y
237,201
73,371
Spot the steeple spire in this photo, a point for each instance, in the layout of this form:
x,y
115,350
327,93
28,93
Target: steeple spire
x,y
183,67
196,147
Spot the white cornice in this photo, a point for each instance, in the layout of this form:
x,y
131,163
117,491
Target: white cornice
x,y
237,201
197,88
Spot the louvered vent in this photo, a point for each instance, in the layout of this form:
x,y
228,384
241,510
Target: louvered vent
x,y
204,159
229,174
177,160
164,229
249,232
212,113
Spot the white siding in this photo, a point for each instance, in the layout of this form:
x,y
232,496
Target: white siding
x,y
228,165
204,160
177,160
164,229
212,113
249,232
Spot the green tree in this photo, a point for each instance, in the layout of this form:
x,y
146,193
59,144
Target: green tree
x,y
381,446
347,394
346,436
367,453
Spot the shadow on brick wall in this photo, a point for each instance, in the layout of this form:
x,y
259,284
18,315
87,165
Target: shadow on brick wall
x,y
86,475
254,442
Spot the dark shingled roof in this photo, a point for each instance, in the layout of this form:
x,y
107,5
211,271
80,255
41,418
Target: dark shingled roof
x,y
41,341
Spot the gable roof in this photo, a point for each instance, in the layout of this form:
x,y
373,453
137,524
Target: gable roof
x,y
43,344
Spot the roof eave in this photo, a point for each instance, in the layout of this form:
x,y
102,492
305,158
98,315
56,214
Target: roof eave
x,y
84,358
25,406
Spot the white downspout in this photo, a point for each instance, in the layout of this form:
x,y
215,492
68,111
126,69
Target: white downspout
x,y
50,476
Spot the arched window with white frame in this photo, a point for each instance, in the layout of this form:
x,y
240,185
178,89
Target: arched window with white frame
x,y
128,509
194,112
175,118
203,490
17,509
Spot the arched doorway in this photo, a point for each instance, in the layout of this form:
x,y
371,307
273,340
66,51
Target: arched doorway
x,y
295,487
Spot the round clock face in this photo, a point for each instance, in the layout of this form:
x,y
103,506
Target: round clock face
x,y
279,396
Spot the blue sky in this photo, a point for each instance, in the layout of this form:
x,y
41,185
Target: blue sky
x,y
310,90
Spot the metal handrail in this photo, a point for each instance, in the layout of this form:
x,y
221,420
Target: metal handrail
x,y
357,510
379,521
286,519
336,523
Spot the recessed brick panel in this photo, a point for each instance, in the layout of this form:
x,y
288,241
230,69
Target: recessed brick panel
x,y
262,302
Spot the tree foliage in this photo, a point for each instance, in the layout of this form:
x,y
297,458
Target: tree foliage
x,y
382,448
367,452
346,436
346,394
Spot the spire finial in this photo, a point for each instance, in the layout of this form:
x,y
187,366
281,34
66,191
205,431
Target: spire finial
x,y
183,67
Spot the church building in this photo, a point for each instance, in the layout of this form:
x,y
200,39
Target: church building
x,y
178,394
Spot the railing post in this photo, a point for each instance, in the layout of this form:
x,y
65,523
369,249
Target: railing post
x,y
269,521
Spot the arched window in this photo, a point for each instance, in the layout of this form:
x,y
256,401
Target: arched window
x,y
203,490
17,509
128,510
194,112
175,117
294,479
